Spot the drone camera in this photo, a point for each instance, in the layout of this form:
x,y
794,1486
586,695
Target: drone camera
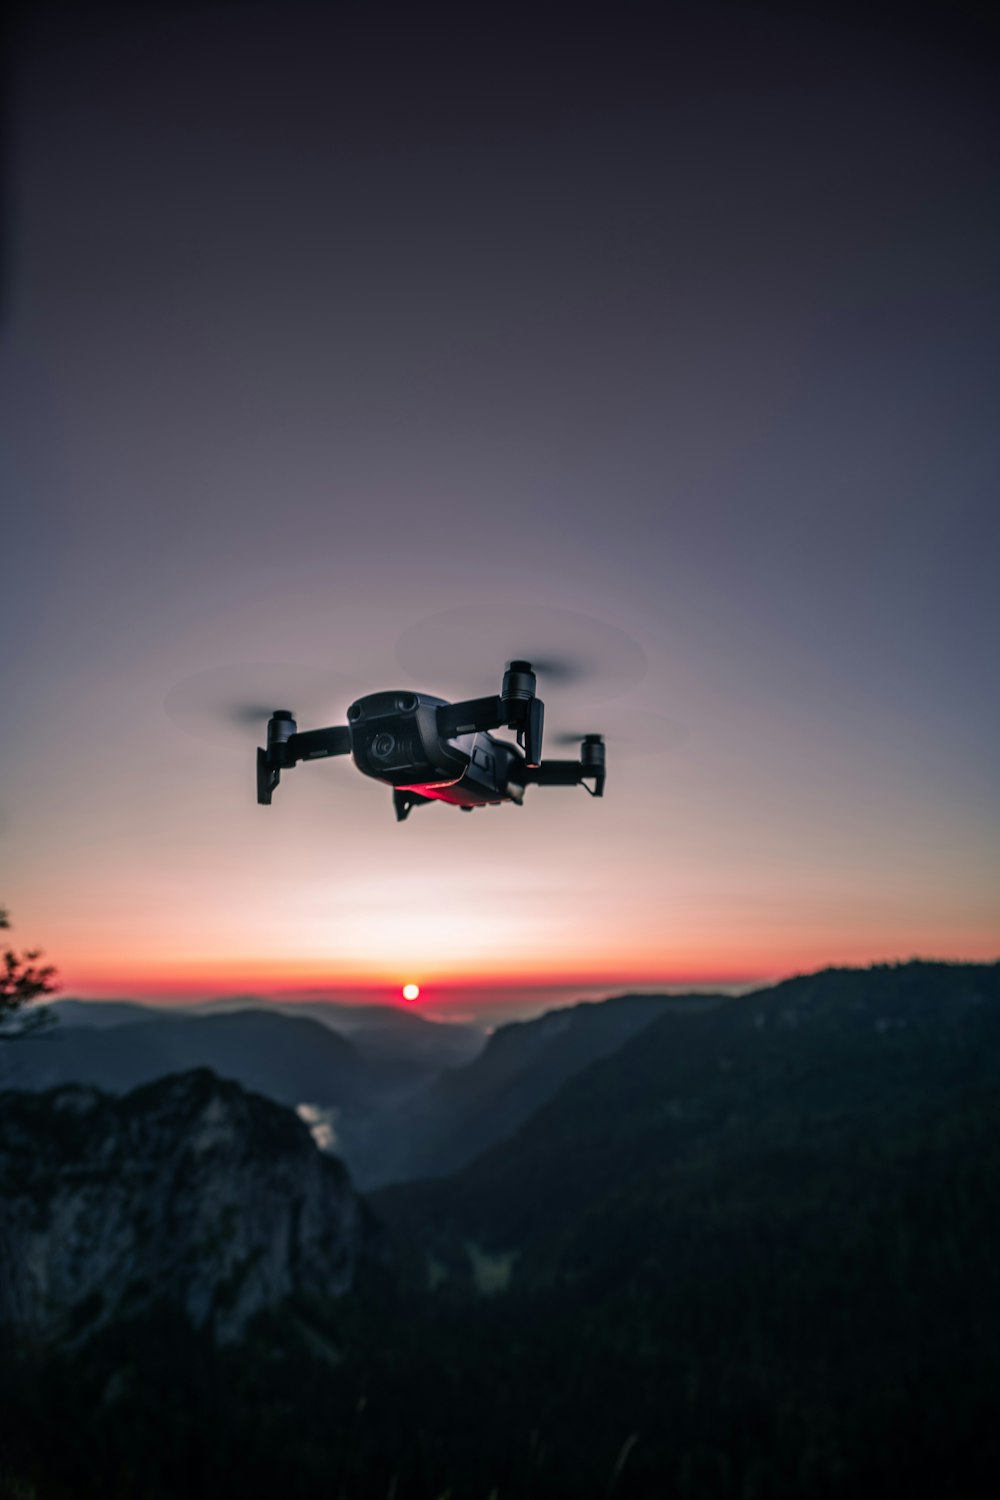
x,y
394,738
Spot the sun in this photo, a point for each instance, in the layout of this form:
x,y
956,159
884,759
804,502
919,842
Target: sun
x,y
411,991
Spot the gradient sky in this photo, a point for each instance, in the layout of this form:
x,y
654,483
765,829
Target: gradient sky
x,y
320,320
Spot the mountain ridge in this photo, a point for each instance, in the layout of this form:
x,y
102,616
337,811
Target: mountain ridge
x,y
752,1250
290,1058
467,1110
658,1091
189,1190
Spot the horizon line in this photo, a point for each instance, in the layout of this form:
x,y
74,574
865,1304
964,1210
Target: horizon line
x,y
531,992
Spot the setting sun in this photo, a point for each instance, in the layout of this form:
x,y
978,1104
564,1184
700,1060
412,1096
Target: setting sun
x,y
411,991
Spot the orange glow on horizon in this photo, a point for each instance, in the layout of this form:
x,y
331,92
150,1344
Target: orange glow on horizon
x,y
205,978
214,976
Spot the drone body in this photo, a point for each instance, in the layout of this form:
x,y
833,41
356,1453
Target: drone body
x,y
428,750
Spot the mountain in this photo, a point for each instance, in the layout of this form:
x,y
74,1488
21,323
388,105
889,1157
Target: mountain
x,y
189,1191
387,1033
523,1064
399,1113
101,1013
391,1033
751,1251
286,1057
807,1094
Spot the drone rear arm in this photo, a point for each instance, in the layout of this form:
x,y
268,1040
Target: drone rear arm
x,y
591,764
566,773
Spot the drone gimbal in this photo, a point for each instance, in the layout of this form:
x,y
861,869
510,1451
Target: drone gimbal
x,y
428,750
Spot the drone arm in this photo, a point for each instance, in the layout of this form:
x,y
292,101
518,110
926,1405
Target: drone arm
x,y
286,747
574,772
469,717
516,707
565,773
316,744
555,773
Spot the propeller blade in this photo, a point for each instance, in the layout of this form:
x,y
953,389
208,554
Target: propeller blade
x,y
642,733
229,706
458,652
250,713
560,669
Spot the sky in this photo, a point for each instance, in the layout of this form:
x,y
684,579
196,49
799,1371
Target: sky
x,y
668,331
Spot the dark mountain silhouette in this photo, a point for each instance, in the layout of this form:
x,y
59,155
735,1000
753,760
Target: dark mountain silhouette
x,y
751,1251
385,1032
390,1033
102,1013
289,1058
400,1113
760,1237
523,1064
775,1092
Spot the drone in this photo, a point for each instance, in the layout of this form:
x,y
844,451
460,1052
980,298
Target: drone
x,y
429,750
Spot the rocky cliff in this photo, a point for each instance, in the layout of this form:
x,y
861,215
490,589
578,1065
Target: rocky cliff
x,y
189,1190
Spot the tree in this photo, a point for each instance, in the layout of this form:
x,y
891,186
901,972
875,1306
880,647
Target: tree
x,y
22,981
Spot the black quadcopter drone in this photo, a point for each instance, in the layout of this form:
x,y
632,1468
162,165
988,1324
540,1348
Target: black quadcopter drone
x,y
428,750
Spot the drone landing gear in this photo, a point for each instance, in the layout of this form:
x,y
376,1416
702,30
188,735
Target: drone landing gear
x,y
404,801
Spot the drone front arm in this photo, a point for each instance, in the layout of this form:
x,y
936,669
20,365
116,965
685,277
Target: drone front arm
x,y
471,716
315,744
286,747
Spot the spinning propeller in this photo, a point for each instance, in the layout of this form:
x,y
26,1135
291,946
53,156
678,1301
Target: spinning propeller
x,y
643,733
229,706
565,648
